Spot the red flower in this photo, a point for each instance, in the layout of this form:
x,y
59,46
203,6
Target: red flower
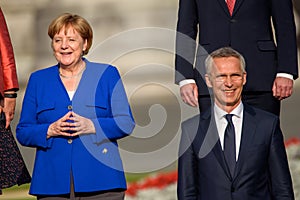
x,y
160,181
292,141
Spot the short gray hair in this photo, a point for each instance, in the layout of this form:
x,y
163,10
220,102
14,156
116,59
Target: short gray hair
x,y
224,52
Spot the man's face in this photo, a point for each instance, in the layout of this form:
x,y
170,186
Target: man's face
x,y
226,80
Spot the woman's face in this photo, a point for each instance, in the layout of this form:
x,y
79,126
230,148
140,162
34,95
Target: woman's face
x,y
68,46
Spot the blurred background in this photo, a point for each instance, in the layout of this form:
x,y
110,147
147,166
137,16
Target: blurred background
x,y
138,38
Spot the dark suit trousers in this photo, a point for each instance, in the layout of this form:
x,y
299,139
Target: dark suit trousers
x,y
262,100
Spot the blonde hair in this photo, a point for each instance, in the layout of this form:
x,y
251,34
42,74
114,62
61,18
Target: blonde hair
x,y
75,21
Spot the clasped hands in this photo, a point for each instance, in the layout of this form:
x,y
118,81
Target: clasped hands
x,y
71,124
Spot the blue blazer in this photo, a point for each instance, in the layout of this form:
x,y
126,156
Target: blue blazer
x,y
249,31
262,170
93,159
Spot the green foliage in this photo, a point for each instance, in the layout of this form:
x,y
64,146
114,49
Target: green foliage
x,y
133,177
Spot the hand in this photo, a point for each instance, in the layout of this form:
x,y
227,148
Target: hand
x,y
9,110
81,125
189,94
282,88
61,126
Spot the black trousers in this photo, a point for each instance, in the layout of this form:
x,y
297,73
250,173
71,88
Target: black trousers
x,y
262,100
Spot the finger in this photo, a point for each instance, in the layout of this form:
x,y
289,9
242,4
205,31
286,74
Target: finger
x,y
65,124
66,116
66,134
277,92
7,119
286,92
63,131
188,97
274,89
7,123
76,131
75,115
74,119
192,101
184,94
196,94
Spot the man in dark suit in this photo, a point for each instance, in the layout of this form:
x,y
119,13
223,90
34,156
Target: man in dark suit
x,y
271,62
239,158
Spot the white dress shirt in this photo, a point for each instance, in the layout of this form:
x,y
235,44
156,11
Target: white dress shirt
x,y
71,94
237,120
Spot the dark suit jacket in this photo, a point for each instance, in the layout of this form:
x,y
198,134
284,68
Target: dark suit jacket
x,y
248,30
261,173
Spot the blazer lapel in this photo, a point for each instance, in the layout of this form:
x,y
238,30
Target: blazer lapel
x,y
223,4
211,141
237,5
248,131
220,157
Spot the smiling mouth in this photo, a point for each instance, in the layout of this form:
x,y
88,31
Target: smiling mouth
x,y
66,53
229,91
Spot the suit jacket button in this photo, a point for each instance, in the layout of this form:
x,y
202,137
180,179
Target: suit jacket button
x,y
232,189
70,107
70,141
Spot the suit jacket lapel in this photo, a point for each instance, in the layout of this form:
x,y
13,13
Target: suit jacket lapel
x,y
211,141
224,6
248,131
237,5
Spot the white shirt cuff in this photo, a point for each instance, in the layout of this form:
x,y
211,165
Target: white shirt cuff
x,y
186,81
285,75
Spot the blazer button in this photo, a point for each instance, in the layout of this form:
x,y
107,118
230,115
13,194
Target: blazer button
x,y
104,151
232,189
70,107
70,141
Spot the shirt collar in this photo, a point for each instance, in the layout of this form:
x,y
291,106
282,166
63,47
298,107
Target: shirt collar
x,y
219,113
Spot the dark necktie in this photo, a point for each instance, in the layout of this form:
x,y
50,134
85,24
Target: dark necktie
x,y
230,5
229,144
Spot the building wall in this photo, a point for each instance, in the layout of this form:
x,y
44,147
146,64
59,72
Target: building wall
x,y
28,21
